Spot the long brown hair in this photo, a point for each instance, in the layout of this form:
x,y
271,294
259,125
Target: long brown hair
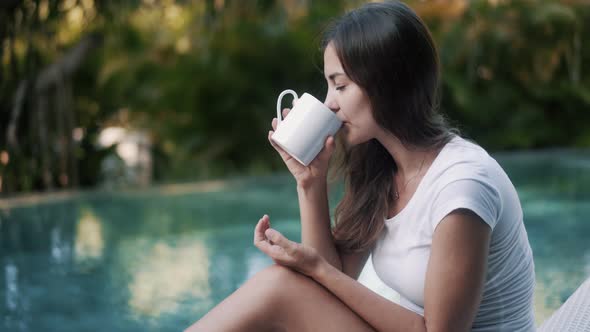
x,y
387,50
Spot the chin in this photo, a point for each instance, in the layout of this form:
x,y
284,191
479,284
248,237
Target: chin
x,y
349,138
351,141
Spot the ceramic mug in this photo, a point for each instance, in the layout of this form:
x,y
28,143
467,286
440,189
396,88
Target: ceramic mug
x,y
303,132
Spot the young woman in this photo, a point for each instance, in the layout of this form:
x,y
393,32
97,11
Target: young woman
x,y
440,216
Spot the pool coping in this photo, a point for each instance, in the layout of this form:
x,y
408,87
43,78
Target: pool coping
x,y
168,189
30,199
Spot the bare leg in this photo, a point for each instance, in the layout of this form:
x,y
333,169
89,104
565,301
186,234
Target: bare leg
x,y
279,299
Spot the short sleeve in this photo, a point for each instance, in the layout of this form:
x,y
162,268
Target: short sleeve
x,y
475,195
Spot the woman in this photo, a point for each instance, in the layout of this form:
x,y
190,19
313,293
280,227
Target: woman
x,y
439,215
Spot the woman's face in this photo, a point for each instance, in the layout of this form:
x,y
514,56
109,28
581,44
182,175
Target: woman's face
x,y
348,101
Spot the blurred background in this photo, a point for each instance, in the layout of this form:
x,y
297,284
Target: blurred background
x,y
128,93
134,161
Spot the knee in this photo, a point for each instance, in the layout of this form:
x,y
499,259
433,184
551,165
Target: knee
x,y
279,282
276,275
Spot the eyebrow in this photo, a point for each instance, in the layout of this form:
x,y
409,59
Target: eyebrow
x,y
332,76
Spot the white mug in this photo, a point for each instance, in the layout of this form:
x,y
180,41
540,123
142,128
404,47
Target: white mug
x,y
303,132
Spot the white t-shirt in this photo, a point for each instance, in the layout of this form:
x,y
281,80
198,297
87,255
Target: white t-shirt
x,y
463,175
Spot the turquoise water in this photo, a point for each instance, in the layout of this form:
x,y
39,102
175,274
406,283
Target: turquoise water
x,y
158,259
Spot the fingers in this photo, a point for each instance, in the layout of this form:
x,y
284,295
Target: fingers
x,y
286,157
262,225
328,149
279,240
286,111
275,121
330,144
262,243
271,242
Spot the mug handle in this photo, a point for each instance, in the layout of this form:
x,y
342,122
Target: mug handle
x,y
279,103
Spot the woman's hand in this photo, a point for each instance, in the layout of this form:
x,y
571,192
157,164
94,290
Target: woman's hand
x,y
317,169
285,252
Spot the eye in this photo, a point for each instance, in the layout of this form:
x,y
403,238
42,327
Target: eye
x,y
340,88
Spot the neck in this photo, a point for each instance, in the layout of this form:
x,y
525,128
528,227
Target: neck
x,y
410,160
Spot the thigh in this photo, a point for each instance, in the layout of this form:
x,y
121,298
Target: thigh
x,y
305,305
279,299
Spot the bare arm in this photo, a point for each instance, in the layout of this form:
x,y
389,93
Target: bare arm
x,y
312,192
456,271
316,232
454,282
315,222
353,263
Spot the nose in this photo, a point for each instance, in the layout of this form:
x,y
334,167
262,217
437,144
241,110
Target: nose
x,y
331,104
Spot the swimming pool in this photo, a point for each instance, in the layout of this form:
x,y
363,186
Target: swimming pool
x,y
158,259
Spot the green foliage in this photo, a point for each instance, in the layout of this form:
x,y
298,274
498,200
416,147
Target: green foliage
x,y
202,76
209,108
515,74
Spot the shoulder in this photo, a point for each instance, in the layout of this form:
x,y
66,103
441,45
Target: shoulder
x,y
462,159
465,177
